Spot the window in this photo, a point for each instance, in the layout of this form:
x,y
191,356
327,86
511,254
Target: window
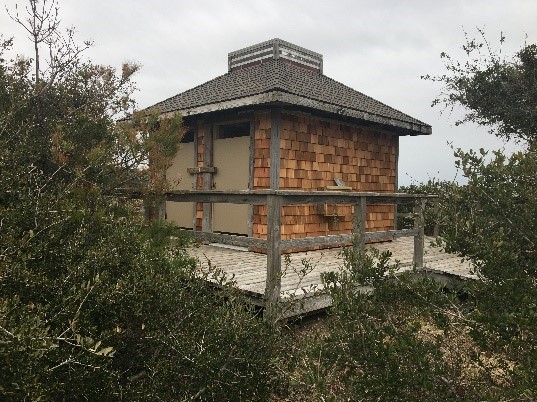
x,y
234,130
188,137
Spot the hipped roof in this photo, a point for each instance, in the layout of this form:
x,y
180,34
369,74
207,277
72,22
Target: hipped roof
x,y
277,80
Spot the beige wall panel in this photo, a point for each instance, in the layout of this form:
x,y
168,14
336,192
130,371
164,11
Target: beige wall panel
x,y
231,158
181,213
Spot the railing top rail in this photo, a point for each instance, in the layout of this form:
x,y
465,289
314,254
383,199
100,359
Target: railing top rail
x,y
289,196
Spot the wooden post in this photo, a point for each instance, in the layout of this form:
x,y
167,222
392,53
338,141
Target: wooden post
x,y
275,134
207,220
419,239
250,223
360,217
195,179
274,261
396,184
436,229
155,210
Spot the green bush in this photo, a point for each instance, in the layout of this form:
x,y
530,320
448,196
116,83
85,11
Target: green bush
x,y
385,339
493,223
492,220
435,220
94,305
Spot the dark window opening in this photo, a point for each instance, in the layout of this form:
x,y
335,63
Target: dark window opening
x,y
188,137
234,130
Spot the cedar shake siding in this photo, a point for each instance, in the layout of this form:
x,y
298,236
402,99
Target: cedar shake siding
x,y
317,133
314,152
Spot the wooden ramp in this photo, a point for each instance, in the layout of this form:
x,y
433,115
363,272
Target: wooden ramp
x,y
301,272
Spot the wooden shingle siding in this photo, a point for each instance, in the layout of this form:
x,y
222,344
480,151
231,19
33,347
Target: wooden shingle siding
x,y
262,151
313,153
305,130
261,179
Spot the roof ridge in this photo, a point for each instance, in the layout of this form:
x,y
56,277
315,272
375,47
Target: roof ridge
x,y
279,62
371,98
189,90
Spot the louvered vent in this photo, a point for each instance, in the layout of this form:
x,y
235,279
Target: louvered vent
x,y
275,49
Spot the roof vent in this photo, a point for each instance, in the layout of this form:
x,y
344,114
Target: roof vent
x,y
275,49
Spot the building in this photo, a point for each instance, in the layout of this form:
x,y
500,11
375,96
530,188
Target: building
x,y
274,121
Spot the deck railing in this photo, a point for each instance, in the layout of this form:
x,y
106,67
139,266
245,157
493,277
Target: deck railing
x,y
274,245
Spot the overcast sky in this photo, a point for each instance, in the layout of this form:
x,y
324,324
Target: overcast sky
x,y
380,48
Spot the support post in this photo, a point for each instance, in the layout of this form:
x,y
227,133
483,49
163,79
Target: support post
x,y
154,209
360,217
250,223
275,134
207,220
419,239
195,179
274,261
436,229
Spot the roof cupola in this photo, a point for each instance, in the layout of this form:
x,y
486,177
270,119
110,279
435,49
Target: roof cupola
x,y
272,50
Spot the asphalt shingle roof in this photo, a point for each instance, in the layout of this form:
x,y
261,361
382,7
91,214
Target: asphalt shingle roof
x,y
278,75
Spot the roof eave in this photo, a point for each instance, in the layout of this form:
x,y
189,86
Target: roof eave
x,y
407,128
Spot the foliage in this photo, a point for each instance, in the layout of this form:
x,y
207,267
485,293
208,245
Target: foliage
x,y
156,139
94,305
492,222
435,220
492,217
389,336
496,92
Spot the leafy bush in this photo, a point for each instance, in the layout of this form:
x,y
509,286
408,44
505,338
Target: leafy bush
x,y
94,305
492,221
435,219
494,224
390,336
94,308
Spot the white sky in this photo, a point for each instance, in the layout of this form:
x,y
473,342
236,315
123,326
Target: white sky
x,y
378,47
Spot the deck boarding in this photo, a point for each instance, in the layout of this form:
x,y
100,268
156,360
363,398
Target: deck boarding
x,y
302,271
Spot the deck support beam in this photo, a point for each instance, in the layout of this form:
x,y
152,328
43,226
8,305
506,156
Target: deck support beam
x,y
274,260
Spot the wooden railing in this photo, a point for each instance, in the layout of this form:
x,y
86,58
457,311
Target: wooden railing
x,y
275,199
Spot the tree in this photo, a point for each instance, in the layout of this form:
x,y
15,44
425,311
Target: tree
x,y
94,305
435,220
492,220
496,92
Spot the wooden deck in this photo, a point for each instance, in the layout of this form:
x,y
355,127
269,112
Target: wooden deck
x,y
301,272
